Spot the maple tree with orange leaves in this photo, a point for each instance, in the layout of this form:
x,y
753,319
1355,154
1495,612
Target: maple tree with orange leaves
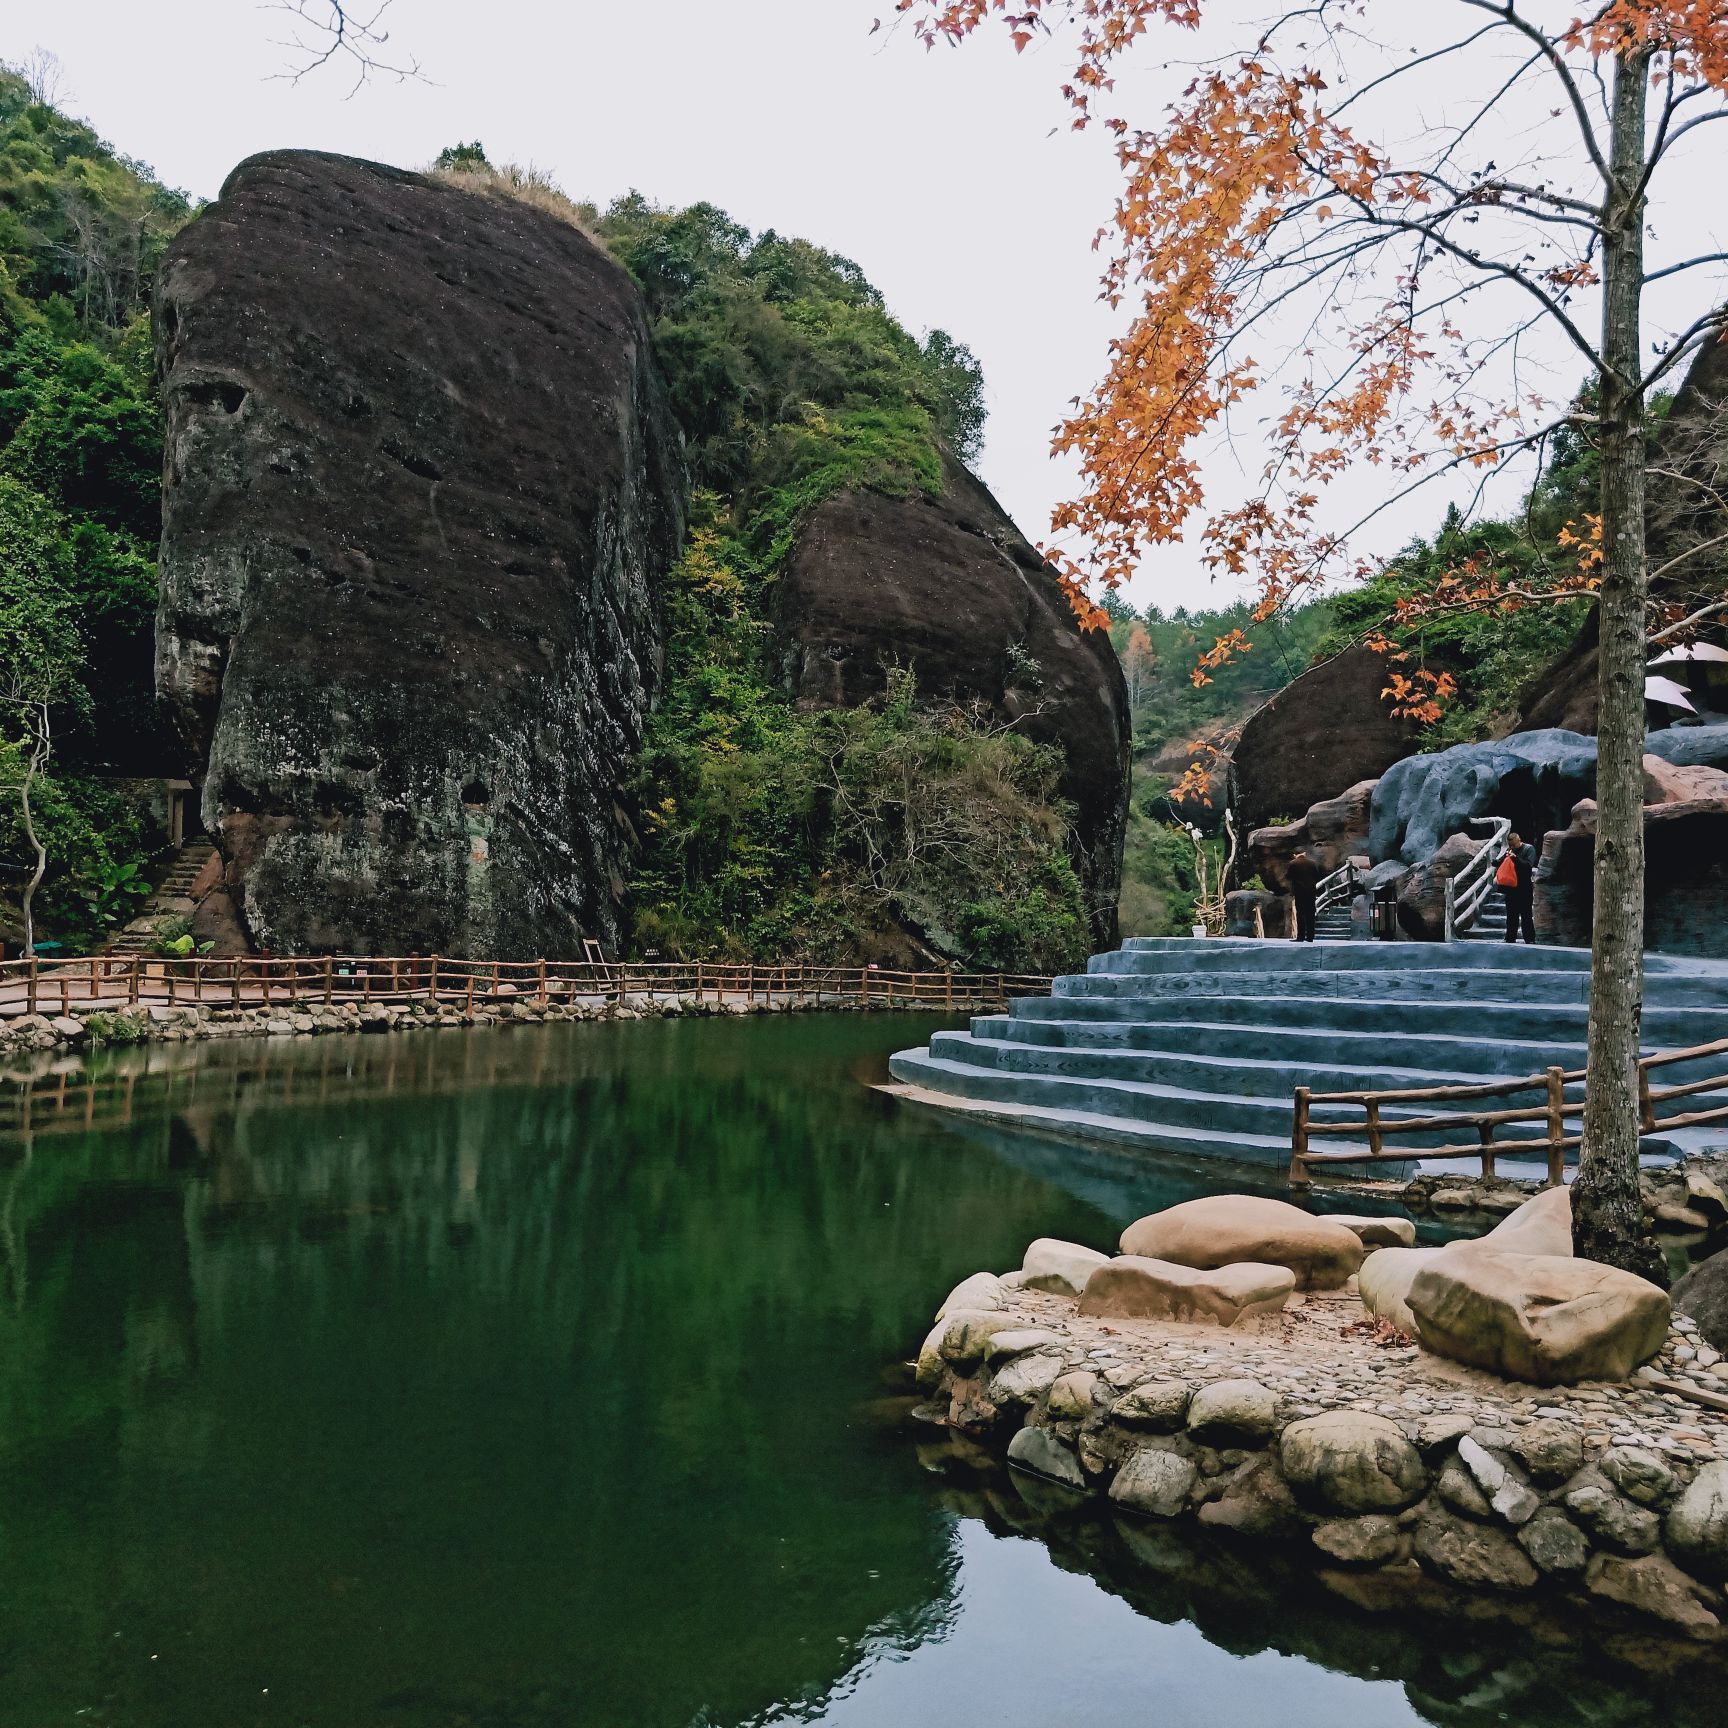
x,y
1291,222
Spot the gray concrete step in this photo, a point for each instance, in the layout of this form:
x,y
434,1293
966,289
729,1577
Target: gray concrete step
x,y
1178,1043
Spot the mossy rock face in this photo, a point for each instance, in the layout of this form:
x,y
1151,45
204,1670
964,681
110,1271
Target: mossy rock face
x,y
422,486
944,583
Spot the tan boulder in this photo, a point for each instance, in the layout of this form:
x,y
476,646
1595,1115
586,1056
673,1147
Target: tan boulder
x,y
1385,1279
1537,1317
1377,1232
1226,1229
1133,1287
1540,1226
982,1291
1059,1268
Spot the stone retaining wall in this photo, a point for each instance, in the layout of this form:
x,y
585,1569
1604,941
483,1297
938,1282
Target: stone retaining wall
x,y
1398,1472
159,1023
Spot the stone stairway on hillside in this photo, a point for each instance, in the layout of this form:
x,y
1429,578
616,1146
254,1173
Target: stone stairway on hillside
x,y
173,899
1197,1046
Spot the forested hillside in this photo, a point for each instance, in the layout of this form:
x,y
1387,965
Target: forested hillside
x,y
764,829
81,232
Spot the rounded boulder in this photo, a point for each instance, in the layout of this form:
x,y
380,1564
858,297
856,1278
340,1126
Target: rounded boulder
x,y
1134,1287
1351,1461
1226,1229
1232,1413
1538,1317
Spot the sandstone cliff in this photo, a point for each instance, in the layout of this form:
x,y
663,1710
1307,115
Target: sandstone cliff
x,y
1683,516
1329,729
951,589
420,484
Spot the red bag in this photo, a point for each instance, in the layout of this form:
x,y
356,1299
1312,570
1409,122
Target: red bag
x,y
1507,875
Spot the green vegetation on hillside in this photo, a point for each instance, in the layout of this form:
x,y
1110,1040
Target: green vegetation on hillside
x,y
1491,654
901,829
1159,652
81,233
1160,863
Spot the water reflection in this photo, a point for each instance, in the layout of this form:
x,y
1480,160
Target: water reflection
x,y
534,1376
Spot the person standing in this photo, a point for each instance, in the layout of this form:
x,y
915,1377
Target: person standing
x,y
1303,875
1516,879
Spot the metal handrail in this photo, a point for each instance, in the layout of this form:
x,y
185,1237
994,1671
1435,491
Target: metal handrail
x,y
1467,892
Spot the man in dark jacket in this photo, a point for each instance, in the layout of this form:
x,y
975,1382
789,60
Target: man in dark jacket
x,y
1521,896
1303,875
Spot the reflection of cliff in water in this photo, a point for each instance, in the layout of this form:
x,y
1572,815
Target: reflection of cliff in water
x,y
530,1398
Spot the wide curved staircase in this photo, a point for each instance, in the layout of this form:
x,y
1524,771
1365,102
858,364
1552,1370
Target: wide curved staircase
x,y
1197,1046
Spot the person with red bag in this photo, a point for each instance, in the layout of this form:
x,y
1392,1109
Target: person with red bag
x,y
1516,879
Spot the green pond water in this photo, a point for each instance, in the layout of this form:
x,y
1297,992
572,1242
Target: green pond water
x,y
544,1375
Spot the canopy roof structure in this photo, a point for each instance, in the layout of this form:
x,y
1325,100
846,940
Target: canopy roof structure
x,y
1668,693
1691,652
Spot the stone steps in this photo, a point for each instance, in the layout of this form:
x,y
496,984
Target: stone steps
x,y
1198,1046
171,899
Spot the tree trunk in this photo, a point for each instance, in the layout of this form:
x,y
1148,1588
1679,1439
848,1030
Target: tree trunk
x,y
39,748
1607,1208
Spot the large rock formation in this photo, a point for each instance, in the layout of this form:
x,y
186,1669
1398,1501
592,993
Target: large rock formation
x,y
1534,779
951,589
421,481
1685,877
1683,519
1326,730
1333,832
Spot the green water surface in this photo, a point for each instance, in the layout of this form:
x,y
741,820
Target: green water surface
x,y
544,1375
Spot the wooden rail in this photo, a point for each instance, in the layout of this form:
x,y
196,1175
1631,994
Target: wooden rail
x,y
117,981
1554,1113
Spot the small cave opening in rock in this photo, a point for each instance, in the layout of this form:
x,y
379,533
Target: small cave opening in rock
x,y
219,393
476,795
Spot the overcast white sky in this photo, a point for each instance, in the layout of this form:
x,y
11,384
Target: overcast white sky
x,y
952,178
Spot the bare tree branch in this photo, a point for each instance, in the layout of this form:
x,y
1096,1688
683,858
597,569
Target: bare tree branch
x,y
328,31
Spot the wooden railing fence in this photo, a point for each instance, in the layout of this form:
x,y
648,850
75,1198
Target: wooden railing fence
x,y
1555,1113
114,981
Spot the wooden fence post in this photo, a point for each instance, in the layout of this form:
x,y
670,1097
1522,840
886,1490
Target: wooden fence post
x,y
1646,1110
540,977
1299,1177
432,977
329,977
1557,1126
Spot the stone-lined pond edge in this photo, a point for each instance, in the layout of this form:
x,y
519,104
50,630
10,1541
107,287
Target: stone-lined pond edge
x,y
159,1023
1412,1482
